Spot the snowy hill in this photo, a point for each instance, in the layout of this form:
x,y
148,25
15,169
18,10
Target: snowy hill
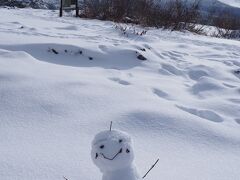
x,y
235,3
62,80
219,6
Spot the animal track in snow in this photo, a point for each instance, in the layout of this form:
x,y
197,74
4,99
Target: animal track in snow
x,y
205,114
161,94
120,81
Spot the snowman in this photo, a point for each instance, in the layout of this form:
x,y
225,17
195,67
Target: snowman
x,y
112,153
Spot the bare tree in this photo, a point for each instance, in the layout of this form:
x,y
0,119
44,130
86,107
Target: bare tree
x,y
227,26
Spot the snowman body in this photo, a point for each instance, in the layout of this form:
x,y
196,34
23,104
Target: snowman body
x,y
128,173
112,153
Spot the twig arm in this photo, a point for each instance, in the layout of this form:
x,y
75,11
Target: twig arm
x,y
65,178
150,168
110,126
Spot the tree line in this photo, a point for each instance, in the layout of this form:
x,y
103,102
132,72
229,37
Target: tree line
x,y
174,15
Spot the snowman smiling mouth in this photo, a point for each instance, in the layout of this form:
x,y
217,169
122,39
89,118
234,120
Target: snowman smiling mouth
x,y
111,159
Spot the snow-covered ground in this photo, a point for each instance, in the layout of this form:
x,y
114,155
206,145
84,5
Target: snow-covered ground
x,y
62,80
235,3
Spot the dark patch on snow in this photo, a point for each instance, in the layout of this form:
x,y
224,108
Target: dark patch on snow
x,y
54,51
141,57
237,72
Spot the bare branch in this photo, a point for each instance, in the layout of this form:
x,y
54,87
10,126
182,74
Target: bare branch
x,y
150,168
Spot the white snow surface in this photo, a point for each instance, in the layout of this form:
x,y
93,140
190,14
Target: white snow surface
x,y
181,105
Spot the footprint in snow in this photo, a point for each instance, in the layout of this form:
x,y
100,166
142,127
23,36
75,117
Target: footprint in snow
x,y
205,114
15,22
161,94
196,74
103,48
237,121
120,81
205,84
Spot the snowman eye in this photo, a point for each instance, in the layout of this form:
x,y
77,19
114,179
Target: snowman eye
x,y
102,146
120,140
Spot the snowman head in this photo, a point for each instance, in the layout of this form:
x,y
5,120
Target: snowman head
x,y
112,150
